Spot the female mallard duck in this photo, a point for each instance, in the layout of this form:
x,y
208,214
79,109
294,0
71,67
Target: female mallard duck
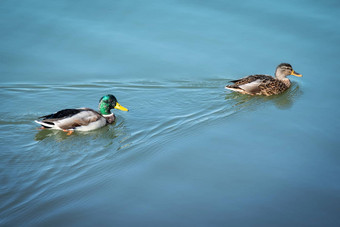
x,y
83,119
263,84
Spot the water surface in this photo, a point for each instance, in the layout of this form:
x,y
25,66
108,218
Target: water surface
x,y
188,152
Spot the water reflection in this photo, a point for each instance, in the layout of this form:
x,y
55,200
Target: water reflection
x,y
287,99
46,133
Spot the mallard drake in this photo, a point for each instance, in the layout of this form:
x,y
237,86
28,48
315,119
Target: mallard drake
x,y
83,119
264,84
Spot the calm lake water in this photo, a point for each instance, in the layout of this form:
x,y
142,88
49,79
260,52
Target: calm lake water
x,y
189,152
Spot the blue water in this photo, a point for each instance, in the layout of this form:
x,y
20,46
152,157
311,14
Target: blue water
x,y
188,153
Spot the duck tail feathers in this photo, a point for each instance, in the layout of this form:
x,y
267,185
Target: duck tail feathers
x,y
46,125
234,88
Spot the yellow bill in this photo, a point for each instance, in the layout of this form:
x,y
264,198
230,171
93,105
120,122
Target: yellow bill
x,y
120,107
296,74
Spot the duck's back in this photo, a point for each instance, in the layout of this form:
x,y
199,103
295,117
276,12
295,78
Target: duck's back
x,y
62,114
252,78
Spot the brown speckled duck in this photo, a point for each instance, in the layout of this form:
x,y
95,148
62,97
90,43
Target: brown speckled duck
x,y
264,84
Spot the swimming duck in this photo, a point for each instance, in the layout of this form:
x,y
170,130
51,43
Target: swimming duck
x,y
83,119
264,84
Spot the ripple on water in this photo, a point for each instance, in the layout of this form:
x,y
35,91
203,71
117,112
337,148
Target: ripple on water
x,y
37,164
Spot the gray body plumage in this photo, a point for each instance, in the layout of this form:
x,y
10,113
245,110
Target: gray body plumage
x,y
82,119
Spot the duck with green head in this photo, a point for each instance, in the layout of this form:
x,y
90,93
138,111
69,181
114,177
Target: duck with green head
x,y
83,119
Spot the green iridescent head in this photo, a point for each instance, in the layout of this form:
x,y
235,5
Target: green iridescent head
x,y
108,102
